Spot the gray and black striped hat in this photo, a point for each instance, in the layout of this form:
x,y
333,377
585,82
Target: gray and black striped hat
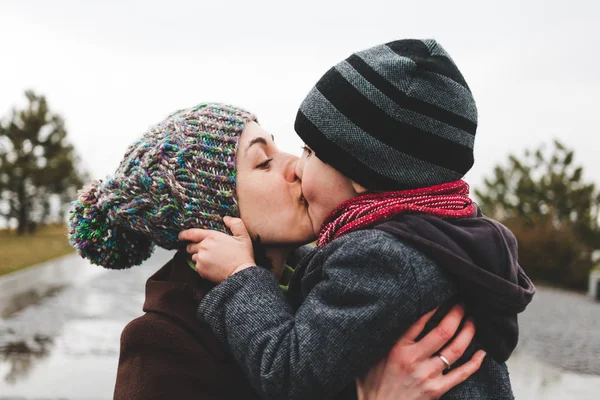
x,y
396,116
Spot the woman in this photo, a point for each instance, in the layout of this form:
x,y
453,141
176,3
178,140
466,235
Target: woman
x,y
389,133
191,170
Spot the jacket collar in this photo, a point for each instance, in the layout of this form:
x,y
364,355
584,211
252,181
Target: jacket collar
x,y
175,291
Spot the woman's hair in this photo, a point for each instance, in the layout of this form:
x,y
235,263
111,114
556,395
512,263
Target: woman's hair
x,y
180,174
260,254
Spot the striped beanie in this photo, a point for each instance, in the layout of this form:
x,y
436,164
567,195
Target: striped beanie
x,y
180,174
396,116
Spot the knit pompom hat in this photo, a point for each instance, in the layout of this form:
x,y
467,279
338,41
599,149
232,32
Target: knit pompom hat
x,y
396,116
180,174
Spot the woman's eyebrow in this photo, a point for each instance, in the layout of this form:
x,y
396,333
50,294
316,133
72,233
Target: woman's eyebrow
x,y
254,141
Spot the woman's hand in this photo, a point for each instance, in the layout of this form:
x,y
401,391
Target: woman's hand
x,y
218,255
413,370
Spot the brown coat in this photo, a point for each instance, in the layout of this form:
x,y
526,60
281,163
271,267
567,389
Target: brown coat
x,y
167,353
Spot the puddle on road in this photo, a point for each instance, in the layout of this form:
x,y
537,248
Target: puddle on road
x,y
80,363
63,342
63,377
67,345
20,357
534,380
31,286
23,300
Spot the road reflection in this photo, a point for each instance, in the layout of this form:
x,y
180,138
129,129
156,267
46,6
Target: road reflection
x,y
21,356
62,325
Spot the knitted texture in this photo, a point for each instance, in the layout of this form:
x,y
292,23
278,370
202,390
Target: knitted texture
x,y
358,294
393,117
180,174
449,200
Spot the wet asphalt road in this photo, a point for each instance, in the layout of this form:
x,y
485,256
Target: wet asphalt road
x,y
66,345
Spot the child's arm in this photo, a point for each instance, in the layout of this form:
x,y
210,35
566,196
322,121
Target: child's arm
x,y
367,296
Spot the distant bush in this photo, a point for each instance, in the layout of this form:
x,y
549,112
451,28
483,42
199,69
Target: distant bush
x,y
551,254
554,214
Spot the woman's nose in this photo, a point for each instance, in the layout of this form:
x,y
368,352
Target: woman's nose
x,y
291,169
299,168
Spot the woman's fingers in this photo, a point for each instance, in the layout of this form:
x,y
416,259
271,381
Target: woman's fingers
x,y
460,374
457,347
415,330
441,334
453,351
414,369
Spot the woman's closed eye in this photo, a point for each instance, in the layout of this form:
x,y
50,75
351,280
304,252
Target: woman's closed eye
x,y
265,165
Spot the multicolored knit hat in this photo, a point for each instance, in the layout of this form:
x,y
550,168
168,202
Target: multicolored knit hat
x,y
393,117
181,174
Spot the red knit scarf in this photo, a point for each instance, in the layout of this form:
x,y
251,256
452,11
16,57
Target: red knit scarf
x,y
449,200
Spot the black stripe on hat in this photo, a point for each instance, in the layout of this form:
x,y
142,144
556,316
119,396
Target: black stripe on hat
x,y
444,66
410,48
407,102
330,153
417,51
405,138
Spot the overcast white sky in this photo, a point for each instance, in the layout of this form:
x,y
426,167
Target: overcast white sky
x,y
114,67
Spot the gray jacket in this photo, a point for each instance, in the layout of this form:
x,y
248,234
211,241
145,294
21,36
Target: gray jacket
x,y
360,293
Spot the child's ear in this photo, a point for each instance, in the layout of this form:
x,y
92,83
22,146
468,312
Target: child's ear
x,y
358,188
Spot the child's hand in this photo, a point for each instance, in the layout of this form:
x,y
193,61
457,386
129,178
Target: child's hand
x,y
218,255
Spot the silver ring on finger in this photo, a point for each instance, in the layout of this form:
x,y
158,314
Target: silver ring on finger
x,y
445,361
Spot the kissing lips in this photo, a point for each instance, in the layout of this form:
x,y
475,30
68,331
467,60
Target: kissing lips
x,y
303,200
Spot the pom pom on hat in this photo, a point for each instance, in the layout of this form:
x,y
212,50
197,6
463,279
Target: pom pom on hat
x,y
99,240
180,174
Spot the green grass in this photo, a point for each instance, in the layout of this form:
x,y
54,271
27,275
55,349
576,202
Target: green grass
x,y
17,252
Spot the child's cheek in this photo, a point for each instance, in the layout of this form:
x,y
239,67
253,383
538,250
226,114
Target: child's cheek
x,y
312,186
308,193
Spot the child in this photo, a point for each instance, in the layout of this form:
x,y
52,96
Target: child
x,y
389,134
